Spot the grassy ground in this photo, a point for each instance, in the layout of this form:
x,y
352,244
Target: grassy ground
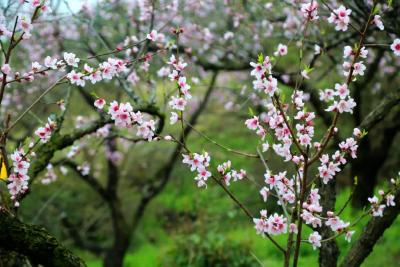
x,y
151,252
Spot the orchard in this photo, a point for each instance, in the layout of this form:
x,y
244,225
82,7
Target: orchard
x,y
199,133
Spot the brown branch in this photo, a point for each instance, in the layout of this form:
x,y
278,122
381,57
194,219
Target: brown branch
x,y
89,179
380,112
75,233
45,152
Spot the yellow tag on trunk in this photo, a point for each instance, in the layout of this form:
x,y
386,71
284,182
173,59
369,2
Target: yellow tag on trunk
x,y
3,172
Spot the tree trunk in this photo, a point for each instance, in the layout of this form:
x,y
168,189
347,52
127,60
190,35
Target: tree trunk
x,y
329,251
115,255
12,259
122,234
35,243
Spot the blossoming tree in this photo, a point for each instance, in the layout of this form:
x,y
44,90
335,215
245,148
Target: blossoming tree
x,y
348,46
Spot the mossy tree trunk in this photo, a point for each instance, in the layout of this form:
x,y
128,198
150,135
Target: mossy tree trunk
x,y
34,243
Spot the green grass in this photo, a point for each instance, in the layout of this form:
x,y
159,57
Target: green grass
x,y
151,253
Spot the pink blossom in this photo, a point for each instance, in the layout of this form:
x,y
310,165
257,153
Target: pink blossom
x,y
390,200
264,192
153,35
252,123
395,46
76,78
6,69
44,133
340,17
178,103
349,235
310,10
258,70
378,22
71,59
281,50
173,118
99,103
315,240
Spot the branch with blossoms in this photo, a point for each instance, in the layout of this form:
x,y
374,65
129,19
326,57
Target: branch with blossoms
x,y
18,185
294,135
27,165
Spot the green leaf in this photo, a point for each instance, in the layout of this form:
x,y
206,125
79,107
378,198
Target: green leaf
x,y
94,94
260,58
251,113
363,133
376,10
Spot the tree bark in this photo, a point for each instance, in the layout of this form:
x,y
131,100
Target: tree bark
x,y
35,243
329,251
12,259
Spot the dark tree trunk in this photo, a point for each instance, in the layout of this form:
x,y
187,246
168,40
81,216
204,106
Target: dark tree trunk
x,y
366,169
329,251
115,255
35,243
12,259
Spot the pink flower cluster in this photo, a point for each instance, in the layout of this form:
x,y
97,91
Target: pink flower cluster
x,y
105,71
50,176
154,36
377,207
283,186
124,117
304,127
342,101
18,180
265,82
329,168
335,223
310,10
44,133
311,209
272,225
341,18
358,67
315,240
229,174
178,102
198,163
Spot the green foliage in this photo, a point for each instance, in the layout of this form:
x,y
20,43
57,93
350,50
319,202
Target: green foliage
x,y
212,249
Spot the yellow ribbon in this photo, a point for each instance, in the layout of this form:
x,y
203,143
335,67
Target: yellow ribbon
x,y
3,171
